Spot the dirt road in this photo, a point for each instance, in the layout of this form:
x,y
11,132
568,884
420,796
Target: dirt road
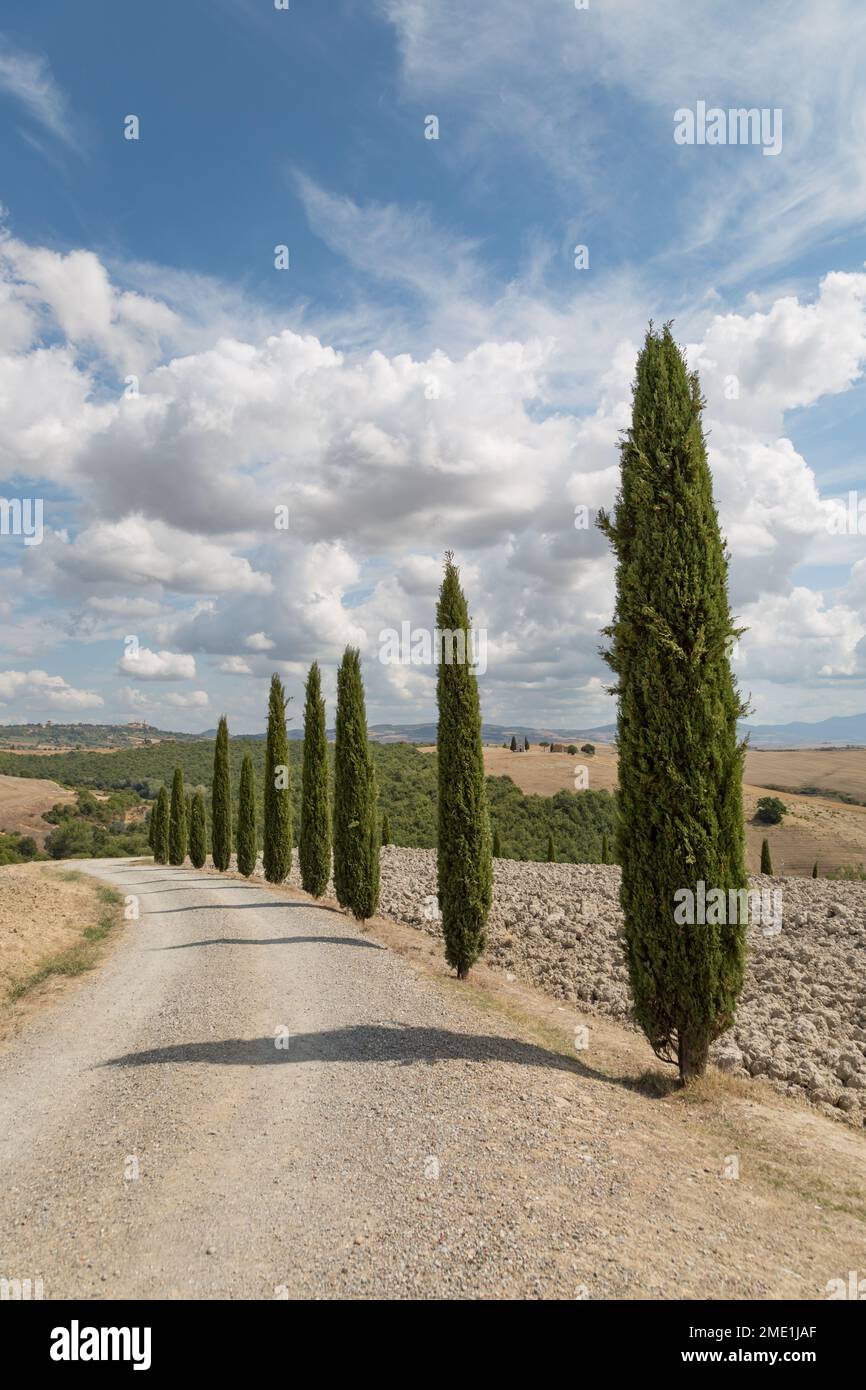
x,y
251,1098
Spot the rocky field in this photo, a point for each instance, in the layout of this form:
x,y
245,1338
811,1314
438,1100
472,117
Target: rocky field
x,y
802,1016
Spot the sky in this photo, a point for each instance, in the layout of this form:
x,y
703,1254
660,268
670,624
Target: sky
x,y
293,300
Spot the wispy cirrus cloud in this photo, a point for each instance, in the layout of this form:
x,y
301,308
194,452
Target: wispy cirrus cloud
x,y
27,78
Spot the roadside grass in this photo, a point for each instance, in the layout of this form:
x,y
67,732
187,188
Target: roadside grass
x,y
83,955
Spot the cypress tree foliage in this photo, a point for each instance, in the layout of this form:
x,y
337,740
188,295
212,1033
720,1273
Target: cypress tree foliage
x,y
679,758
356,825
151,826
160,834
386,829
177,820
464,864
278,792
766,861
497,845
247,844
815,869
221,800
514,743
314,843
198,832
605,850
551,852
190,798
525,744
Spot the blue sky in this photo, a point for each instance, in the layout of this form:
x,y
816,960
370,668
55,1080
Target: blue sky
x,y
432,370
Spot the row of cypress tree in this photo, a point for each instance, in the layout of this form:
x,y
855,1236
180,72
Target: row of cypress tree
x,y
680,758
178,826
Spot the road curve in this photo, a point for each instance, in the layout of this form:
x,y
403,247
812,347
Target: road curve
x,y
157,1142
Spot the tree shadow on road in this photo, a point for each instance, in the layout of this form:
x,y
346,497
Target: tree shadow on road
x,y
404,1045
246,907
274,941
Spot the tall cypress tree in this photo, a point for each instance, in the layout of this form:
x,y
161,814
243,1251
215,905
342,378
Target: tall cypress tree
x,y
314,843
151,826
766,861
247,846
160,834
464,864
680,762
177,820
278,792
551,851
198,832
221,799
356,827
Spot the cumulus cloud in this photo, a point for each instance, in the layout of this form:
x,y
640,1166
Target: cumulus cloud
x,y
385,460
147,665
26,687
196,699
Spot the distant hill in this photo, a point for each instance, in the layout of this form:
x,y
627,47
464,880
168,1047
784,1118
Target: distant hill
x,y
51,737
839,731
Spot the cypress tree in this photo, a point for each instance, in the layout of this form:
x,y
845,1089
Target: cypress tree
x,y
766,861
314,844
177,820
551,852
221,800
151,826
605,850
815,869
514,743
386,829
247,844
160,834
497,845
525,744
198,832
464,865
278,791
680,762
356,828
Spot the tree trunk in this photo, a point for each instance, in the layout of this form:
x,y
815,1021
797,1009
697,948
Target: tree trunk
x,y
693,1050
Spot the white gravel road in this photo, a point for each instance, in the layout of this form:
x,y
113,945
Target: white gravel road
x,y
405,1142
366,1156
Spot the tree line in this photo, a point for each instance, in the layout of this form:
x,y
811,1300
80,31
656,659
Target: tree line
x,y
680,759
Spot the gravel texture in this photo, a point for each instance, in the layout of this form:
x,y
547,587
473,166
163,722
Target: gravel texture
x,y
406,1142
801,1021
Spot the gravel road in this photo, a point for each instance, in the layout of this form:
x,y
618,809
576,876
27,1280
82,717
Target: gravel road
x,y
252,1099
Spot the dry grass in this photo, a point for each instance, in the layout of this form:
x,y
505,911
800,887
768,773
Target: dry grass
x,y
53,925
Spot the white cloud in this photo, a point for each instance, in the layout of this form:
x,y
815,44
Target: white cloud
x,y
29,686
196,699
147,665
27,78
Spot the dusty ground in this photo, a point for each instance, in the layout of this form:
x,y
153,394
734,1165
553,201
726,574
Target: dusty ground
x,y
817,828
44,911
413,1138
22,801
